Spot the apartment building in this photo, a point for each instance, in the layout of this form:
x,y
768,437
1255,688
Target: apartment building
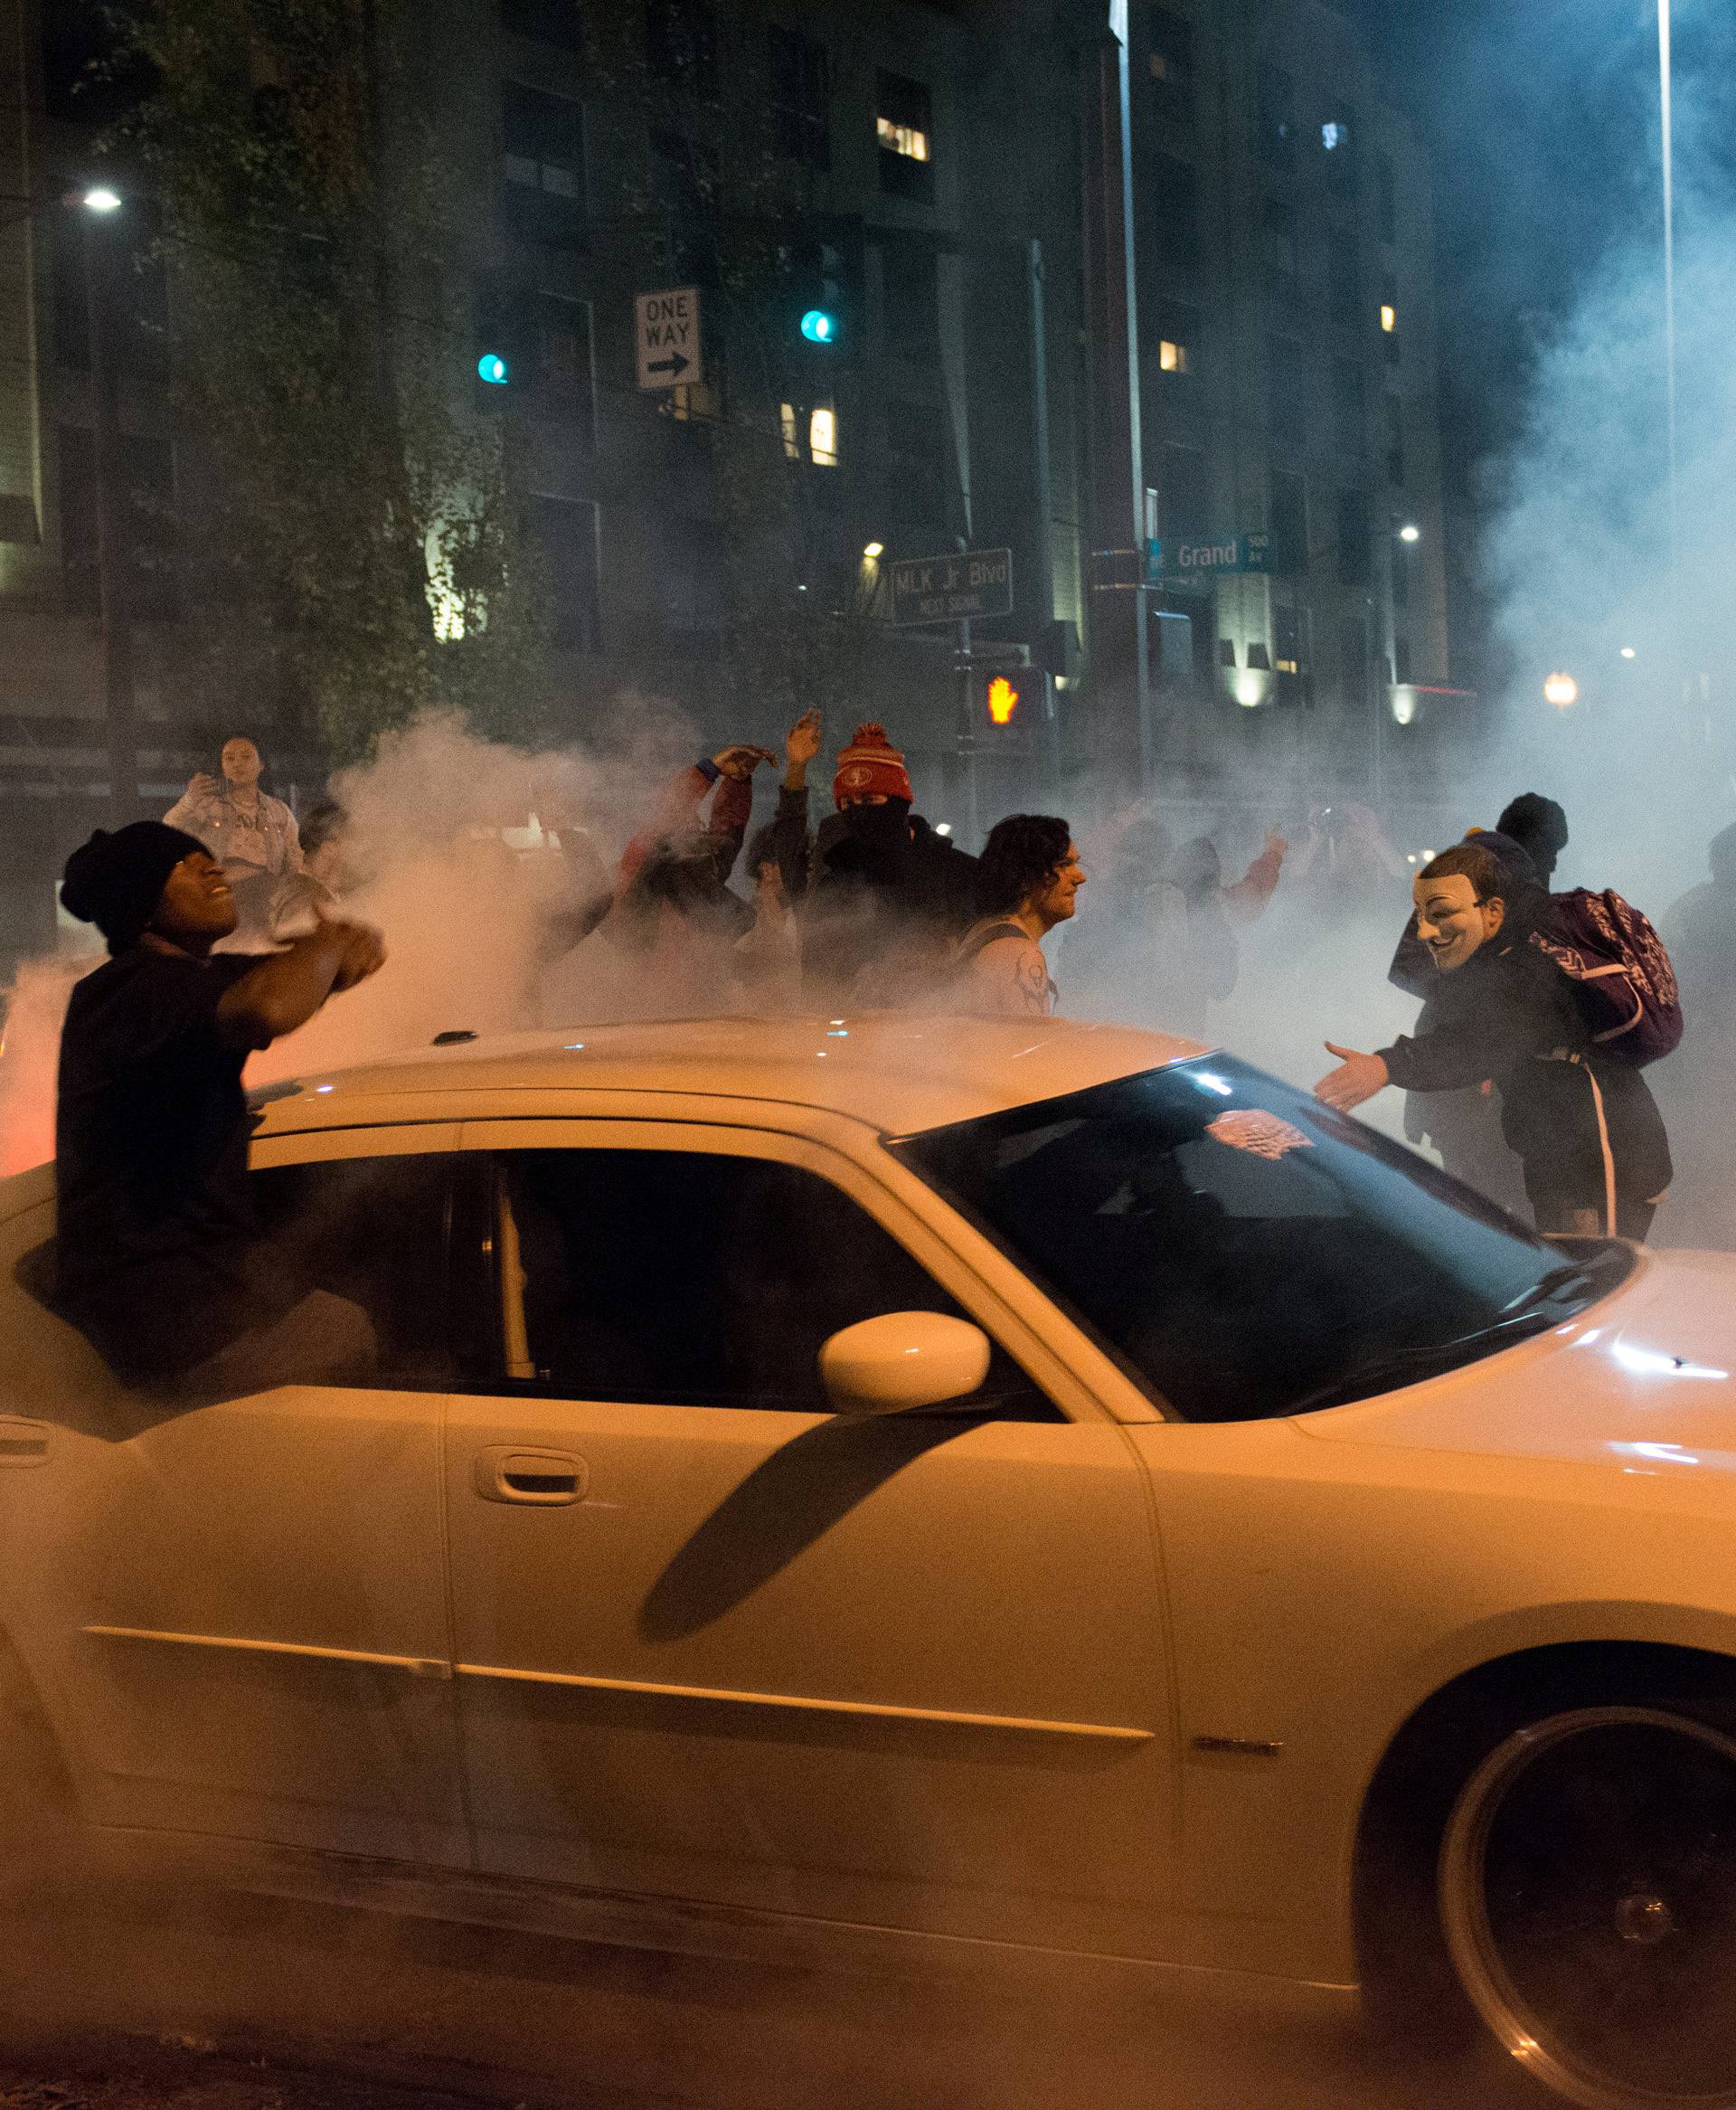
x,y
1288,391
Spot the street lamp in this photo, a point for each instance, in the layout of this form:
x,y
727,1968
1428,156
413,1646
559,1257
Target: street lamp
x,y
1410,532
874,551
99,198
1627,652
1562,690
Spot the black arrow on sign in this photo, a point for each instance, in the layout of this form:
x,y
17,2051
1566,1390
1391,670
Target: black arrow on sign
x,y
675,367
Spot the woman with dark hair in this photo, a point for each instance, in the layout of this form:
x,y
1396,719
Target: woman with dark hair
x,y
1027,881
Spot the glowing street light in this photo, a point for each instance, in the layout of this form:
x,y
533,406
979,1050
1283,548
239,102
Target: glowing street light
x,y
1410,532
1627,652
874,550
101,199
1562,690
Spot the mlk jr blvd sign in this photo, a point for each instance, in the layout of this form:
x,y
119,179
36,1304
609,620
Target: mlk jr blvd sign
x,y
968,586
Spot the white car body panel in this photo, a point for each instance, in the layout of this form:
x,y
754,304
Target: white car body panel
x,y
1218,1629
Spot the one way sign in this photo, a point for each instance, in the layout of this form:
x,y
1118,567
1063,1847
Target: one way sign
x,y
668,338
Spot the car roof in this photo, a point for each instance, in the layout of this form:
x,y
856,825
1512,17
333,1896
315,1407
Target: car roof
x,y
900,1072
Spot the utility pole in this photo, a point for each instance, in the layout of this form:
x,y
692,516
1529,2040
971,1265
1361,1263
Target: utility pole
x,y
1116,549
102,241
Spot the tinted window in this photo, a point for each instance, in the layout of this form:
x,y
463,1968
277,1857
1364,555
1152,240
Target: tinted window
x,y
383,1232
1246,1251
695,1279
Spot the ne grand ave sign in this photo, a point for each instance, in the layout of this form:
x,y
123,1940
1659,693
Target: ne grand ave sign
x,y
958,588
1203,556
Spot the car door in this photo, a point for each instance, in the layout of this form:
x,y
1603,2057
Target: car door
x,y
237,1607
714,1641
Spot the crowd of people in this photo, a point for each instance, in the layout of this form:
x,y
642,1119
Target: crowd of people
x,y
1524,1070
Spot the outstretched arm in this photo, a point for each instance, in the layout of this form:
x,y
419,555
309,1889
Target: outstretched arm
x,y
676,811
285,990
1247,899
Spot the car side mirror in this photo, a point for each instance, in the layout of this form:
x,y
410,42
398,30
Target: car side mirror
x,y
901,1361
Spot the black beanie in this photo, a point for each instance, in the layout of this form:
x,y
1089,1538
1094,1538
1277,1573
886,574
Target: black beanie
x,y
1534,822
115,881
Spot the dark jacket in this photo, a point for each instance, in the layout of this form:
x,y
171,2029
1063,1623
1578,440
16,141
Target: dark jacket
x,y
883,900
1510,1014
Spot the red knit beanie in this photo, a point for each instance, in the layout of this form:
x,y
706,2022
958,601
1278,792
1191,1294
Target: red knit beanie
x,y
871,765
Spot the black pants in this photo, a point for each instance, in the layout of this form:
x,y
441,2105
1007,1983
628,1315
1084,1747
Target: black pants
x,y
1591,1140
323,1339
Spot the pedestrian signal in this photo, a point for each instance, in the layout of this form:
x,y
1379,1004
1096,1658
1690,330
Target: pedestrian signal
x,y
1002,701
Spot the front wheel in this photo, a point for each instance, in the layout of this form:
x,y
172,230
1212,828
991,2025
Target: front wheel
x,y
1587,1881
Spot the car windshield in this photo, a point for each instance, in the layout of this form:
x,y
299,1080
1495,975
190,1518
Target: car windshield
x,y
1244,1251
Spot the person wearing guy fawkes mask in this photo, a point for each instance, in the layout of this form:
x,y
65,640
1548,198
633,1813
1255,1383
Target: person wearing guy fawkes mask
x,y
886,898
1581,1121
1464,1128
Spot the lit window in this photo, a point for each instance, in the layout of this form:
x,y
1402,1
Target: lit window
x,y
823,437
689,400
904,129
1389,317
1172,357
1335,136
904,140
792,443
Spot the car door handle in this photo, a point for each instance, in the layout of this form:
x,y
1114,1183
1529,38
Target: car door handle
x,y
545,1480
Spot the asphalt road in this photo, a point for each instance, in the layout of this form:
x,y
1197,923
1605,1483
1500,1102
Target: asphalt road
x,y
236,2003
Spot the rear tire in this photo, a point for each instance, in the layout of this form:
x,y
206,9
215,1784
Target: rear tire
x,y
1586,1884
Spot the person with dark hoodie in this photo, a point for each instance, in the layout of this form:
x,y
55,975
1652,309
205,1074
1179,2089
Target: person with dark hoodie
x,y
1700,933
1580,1120
1698,1084
1539,827
886,898
160,1260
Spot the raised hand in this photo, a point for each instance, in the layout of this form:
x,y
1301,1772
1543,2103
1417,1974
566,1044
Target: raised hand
x,y
740,760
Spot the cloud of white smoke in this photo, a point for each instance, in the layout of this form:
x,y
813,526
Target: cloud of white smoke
x,y
1581,554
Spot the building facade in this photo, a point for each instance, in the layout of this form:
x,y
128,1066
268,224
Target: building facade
x,y
880,211
1287,388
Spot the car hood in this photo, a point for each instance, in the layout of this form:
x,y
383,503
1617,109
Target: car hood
x,y
1641,1379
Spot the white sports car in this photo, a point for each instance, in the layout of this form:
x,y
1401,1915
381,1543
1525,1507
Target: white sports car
x,y
889,1480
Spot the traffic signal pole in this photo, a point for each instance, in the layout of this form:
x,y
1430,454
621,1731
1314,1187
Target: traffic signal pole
x,y
1117,483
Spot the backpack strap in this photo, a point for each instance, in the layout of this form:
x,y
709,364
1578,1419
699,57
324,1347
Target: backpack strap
x,y
979,941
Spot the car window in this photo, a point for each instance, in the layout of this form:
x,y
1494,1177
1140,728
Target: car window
x,y
1242,1249
381,1232
699,1279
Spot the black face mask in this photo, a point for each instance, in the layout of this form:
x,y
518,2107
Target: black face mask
x,y
879,829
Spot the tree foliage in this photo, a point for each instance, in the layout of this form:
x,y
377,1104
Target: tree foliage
x,y
330,462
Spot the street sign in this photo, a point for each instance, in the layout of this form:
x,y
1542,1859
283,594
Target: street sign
x,y
1200,557
667,337
973,584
